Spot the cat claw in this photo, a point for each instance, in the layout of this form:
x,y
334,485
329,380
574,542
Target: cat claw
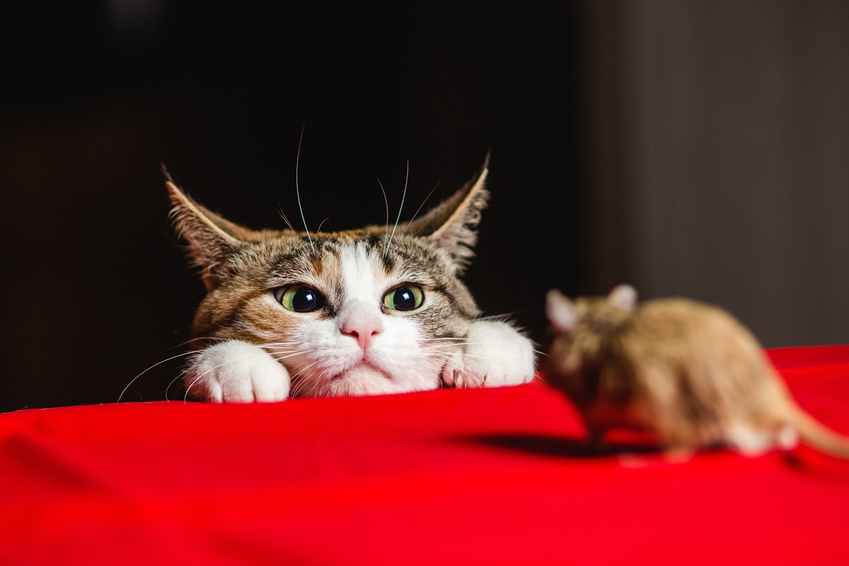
x,y
494,354
455,375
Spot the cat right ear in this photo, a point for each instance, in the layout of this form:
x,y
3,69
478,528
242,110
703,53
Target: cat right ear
x,y
211,238
561,311
453,224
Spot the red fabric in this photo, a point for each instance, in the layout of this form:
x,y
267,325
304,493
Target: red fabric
x,y
490,476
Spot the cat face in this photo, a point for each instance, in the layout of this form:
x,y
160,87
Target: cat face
x,y
365,311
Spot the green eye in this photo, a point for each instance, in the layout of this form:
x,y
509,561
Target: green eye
x,y
407,297
298,298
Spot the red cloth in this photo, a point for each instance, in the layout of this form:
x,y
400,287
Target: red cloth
x,y
489,476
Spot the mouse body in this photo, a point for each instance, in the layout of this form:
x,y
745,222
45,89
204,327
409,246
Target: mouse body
x,y
687,371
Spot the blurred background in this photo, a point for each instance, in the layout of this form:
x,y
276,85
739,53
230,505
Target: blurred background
x,y
694,148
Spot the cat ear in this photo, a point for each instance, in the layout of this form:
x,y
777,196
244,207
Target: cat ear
x,y
624,297
453,223
211,238
560,310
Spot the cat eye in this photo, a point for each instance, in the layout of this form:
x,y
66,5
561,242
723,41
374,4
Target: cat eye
x,y
298,298
406,297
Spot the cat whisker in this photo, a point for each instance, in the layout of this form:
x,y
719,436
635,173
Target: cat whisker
x,y
386,203
313,389
166,360
303,371
487,359
400,208
419,209
285,219
303,387
278,344
157,364
287,349
189,388
446,339
295,387
439,342
298,190
179,377
498,317
281,356
318,230
198,339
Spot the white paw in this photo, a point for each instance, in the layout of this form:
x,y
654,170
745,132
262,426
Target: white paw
x,y
494,354
236,372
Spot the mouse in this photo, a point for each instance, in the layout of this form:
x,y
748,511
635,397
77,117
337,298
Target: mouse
x,y
688,372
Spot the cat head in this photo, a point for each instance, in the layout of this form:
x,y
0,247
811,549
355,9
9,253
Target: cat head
x,y
373,310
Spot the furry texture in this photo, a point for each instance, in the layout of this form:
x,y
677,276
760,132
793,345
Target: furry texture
x,y
688,371
369,311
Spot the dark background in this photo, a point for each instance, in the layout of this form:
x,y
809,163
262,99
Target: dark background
x,y
95,289
695,148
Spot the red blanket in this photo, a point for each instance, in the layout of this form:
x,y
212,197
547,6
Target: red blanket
x,y
489,476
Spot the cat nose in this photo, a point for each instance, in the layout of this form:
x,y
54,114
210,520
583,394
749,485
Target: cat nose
x,y
363,331
362,326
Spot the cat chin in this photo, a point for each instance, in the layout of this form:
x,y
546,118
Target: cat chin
x,y
367,380
361,380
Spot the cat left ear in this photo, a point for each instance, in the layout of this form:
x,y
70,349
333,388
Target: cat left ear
x,y
453,224
211,238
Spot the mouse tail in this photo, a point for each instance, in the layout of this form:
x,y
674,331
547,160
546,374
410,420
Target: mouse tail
x,y
817,435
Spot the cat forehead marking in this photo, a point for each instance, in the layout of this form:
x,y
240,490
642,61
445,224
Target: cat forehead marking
x,y
361,269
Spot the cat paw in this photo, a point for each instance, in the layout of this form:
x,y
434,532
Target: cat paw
x,y
494,354
236,372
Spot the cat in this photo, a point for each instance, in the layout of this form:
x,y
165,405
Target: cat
x,y
377,310
688,371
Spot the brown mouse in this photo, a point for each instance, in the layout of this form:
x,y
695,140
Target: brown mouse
x,y
688,371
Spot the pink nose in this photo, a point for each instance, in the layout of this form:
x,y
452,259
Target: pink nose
x,y
363,329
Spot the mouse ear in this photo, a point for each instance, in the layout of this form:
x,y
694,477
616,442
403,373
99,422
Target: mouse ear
x,y
560,311
624,297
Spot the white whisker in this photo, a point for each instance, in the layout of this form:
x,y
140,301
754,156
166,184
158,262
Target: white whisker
x,y
298,190
386,203
157,364
498,317
179,377
400,208
419,209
